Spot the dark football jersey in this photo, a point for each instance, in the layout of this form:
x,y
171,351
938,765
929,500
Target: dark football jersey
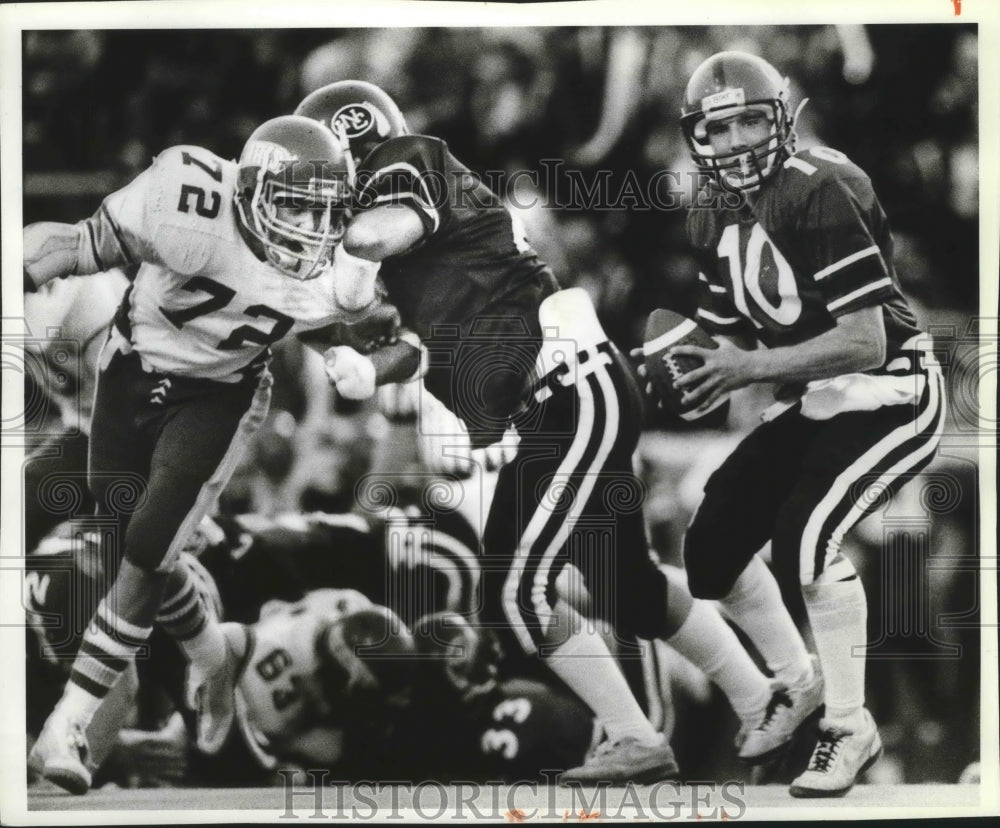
x,y
814,246
515,731
412,563
470,289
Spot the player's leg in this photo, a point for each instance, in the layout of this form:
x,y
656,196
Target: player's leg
x,y
654,601
607,418
538,500
194,442
214,431
855,457
119,459
733,521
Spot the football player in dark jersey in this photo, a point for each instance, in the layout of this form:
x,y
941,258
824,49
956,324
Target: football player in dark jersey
x,y
503,345
803,265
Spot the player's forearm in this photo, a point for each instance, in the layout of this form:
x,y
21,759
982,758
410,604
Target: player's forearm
x,y
53,250
398,362
382,232
354,280
858,343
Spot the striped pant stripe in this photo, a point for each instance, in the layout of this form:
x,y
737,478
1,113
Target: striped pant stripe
x,y
904,449
526,586
250,422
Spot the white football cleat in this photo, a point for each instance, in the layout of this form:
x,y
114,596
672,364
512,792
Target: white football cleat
x,y
789,706
62,754
840,756
626,760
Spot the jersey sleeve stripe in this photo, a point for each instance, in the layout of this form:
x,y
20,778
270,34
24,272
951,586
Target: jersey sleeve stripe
x,y
850,297
826,271
116,230
93,247
718,320
419,192
716,289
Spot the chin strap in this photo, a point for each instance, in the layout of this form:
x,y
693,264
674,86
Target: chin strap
x,y
795,118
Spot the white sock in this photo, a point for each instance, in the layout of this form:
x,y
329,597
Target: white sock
x,y
838,615
78,704
584,662
755,606
706,641
207,648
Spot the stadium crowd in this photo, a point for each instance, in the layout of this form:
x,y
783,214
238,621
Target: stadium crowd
x,y
515,104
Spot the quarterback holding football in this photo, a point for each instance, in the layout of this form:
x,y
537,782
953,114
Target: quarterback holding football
x,y
804,267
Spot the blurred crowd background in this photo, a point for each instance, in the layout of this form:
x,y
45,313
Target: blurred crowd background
x,y
899,100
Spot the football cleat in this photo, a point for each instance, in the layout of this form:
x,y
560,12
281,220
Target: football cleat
x,y
62,754
840,756
625,760
210,690
789,707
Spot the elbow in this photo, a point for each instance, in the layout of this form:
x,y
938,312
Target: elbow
x,y
365,243
871,350
863,335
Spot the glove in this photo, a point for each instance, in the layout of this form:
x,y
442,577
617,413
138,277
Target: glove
x,y
398,401
442,438
352,373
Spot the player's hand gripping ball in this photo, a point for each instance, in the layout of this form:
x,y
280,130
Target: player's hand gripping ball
x,y
664,330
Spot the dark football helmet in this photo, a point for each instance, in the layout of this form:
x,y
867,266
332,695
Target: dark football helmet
x,y
366,662
357,112
293,192
727,84
458,658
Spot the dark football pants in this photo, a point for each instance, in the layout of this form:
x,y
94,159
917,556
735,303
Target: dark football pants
x,y
162,448
802,484
570,494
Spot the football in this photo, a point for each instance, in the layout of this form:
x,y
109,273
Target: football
x,y
664,330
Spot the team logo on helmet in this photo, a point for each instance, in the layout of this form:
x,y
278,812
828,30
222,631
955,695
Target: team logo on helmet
x,y
357,119
265,154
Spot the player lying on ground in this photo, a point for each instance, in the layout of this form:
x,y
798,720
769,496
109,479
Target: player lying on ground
x,y
451,714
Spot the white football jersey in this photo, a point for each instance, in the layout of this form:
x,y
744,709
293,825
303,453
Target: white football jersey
x,y
202,304
274,690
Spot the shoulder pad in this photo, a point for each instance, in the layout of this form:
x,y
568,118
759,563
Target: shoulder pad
x,y
190,206
422,149
823,164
